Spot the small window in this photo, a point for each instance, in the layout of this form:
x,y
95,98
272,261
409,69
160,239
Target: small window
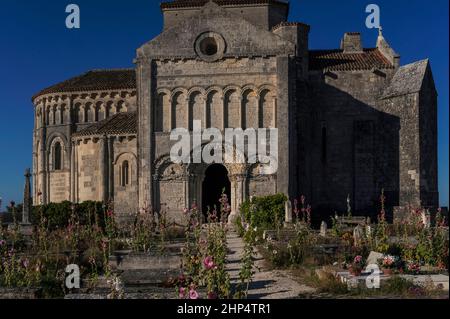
x,y
58,157
125,180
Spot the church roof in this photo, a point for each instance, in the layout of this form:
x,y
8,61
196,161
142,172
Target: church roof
x,y
121,123
332,60
199,3
337,60
95,80
408,79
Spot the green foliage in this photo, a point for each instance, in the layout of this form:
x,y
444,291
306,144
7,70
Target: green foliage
x,y
58,215
239,227
266,212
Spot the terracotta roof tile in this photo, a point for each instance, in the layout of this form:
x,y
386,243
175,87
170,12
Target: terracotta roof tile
x,y
199,3
337,60
121,123
95,80
290,24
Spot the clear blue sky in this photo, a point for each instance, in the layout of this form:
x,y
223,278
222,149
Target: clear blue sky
x,y
37,51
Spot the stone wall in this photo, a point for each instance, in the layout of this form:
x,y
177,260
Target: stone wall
x,y
125,192
88,171
57,117
349,141
263,15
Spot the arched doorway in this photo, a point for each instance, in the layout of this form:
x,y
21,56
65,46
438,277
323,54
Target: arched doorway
x,y
215,184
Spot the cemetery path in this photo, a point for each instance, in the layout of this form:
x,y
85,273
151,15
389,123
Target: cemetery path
x,y
267,284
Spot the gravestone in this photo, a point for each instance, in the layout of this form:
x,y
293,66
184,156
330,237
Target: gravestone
x,y
373,258
323,229
25,227
426,220
27,199
288,213
358,235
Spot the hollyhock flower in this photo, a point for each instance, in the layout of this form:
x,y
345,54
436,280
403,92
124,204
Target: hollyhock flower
x,y
2,242
110,213
185,211
358,259
25,263
193,294
182,293
209,263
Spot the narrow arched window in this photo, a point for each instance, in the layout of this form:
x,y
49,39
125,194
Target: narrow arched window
x,y
58,157
125,180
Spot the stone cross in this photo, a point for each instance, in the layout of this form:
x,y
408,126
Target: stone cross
x,y
27,199
323,229
288,212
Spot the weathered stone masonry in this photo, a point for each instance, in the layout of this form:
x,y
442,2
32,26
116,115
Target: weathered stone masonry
x,y
350,120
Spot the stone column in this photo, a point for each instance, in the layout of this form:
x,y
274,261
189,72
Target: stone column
x,y
48,173
76,174
109,169
206,116
103,163
145,129
186,192
42,171
284,125
224,113
72,173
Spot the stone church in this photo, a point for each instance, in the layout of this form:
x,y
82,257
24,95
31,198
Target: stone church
x,y
351,120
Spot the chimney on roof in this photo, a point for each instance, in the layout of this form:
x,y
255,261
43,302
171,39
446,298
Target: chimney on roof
x,y
351,43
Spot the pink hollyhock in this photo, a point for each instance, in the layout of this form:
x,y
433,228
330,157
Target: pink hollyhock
x,y
182,293
193,294
209,263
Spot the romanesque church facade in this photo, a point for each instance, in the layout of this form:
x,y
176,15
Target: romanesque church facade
x,y
351,120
